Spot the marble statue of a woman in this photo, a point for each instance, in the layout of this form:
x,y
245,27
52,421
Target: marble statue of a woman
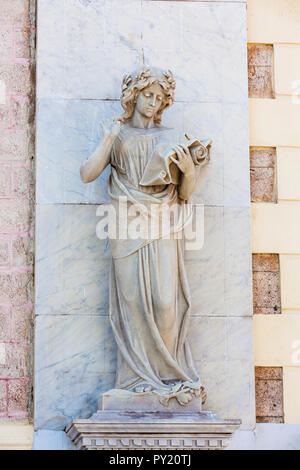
x,y
150,301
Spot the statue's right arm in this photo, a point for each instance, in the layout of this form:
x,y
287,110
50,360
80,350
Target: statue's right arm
x,y
98,161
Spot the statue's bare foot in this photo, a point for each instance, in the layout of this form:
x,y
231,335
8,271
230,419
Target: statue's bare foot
x,y
184,398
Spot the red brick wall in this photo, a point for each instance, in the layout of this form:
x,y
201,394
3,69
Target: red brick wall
x,y
17,65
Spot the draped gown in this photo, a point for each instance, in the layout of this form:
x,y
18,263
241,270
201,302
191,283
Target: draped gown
x,y
150,301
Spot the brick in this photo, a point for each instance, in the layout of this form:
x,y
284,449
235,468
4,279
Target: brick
x,y
17,77
269,419
260,71
14,11
268,373
262,185
266,284
18,395
269,398
22,323
4,116
14,215
3,396
14,145
22,251
263,174
16,288
6,42
22,185
260,54
260,82
266,292
17,361
262,157
4,324
5,176
22,38
20,112
262,262
4,255
266,311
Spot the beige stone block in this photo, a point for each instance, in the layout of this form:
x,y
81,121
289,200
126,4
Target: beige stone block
x,y
288,173
287,68
291,396
16,437
273,21
274,123
290,281
276,228
277,340
291,312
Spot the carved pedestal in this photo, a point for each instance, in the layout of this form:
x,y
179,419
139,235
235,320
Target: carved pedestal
x,y
116,429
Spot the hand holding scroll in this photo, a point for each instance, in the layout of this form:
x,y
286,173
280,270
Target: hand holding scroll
x,y
183,160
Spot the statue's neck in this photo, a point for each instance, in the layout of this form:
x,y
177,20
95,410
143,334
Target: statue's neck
x,y
142,122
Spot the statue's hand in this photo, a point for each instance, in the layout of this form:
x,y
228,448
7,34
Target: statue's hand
x,y
184,160
111,128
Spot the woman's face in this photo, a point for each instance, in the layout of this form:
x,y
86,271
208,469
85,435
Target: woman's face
x,y
150,100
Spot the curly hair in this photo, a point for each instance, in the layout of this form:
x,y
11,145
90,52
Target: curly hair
x,y
134,83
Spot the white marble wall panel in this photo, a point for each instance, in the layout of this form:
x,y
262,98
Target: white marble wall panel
x,y
230,382
75,361
67,133
94,44
84,48
72,264
222,348
220,273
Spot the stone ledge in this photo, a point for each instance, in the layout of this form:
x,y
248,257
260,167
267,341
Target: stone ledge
x,y
16,436
152,431
124,400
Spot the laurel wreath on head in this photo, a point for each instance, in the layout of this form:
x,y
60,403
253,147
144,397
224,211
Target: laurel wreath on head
x,y
128,80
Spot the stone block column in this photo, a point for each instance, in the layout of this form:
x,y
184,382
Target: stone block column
x,y
17,115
